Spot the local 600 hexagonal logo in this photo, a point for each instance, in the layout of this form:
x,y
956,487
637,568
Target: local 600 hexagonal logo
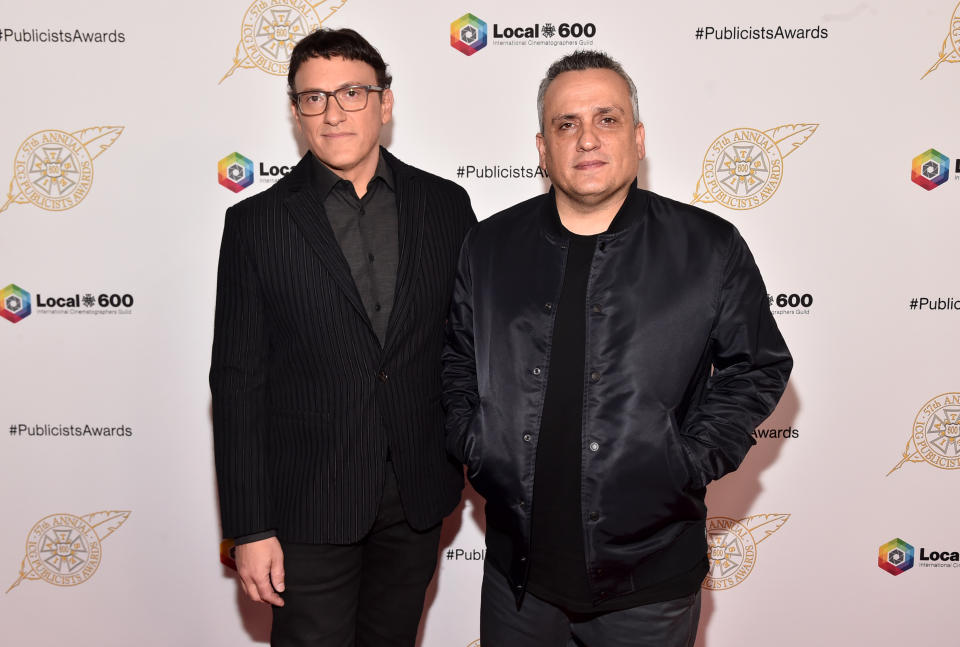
x,y
930,169
14,303
235,172
896,556
468,34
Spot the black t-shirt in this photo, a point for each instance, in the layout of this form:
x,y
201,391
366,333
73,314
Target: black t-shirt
x,y
558,565
558,571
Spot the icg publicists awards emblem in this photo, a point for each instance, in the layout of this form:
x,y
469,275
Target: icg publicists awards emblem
x,y
53,169
65,550
743,167
950,49
272,28
935,438
732,547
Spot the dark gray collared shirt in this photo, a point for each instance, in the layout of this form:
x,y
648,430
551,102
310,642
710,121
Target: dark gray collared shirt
x,y
367,232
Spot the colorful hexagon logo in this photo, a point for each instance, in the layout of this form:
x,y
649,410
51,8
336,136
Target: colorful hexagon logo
x,y
930,169
468,34
895,557
235,172
14,303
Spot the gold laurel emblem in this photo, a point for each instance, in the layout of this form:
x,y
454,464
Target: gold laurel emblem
x,y
53,169
271,29
935,438
950,50
732,547
743,167
65,550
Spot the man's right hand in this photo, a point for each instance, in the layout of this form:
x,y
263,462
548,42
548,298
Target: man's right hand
x,y
260,565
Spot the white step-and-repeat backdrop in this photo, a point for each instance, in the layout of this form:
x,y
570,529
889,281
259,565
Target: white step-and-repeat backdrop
x,y
826,131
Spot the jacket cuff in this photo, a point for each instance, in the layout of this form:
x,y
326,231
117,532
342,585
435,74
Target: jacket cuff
x,y
257,536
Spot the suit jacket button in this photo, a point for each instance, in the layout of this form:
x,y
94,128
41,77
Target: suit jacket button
x,y
382,375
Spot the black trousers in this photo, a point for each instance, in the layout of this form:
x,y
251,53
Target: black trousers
x,y
541,624
368,594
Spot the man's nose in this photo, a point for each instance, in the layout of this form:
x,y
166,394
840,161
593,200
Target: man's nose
x,y
588,140
334,114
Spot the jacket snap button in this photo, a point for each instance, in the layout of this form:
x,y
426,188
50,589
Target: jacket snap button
x,y
596,308
594,446
382,376
594,377
527,438
594,516
536,370
548,306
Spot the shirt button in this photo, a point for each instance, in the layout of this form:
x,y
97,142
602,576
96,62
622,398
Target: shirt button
x,y
362,212
377,307
603,245
520,503
527,438
382,375
370,257
594,446
536,370
594,377
594,516
523,558
547,307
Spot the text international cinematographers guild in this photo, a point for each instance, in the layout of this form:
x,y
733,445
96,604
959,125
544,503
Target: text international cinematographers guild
x,y
61,36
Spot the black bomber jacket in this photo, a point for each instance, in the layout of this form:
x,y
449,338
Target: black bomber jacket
x,y
683,360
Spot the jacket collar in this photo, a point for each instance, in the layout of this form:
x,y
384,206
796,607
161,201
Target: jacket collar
x,y
631,213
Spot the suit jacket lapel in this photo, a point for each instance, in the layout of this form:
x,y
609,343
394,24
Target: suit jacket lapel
x,y
306,209
410,214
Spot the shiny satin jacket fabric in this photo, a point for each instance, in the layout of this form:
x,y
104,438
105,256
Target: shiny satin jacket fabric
x,y
683,360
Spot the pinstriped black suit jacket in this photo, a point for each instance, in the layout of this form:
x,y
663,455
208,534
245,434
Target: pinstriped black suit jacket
x,y
306,403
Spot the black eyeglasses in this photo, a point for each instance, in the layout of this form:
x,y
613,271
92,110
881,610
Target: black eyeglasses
x,y
350,99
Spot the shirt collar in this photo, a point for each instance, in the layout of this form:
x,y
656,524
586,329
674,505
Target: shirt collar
x,y
326,179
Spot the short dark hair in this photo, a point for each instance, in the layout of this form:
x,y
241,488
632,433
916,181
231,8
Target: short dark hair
x,y
345,43
580,60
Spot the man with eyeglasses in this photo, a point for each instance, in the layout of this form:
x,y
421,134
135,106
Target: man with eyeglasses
x,y
332,291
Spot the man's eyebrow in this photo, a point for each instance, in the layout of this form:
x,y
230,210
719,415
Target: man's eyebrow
x,y
608,109
603,110
346,84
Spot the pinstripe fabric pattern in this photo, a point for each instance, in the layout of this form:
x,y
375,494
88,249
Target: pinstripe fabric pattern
x,y
306,402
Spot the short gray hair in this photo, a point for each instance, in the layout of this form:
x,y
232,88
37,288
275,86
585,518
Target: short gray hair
x,y
580,60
